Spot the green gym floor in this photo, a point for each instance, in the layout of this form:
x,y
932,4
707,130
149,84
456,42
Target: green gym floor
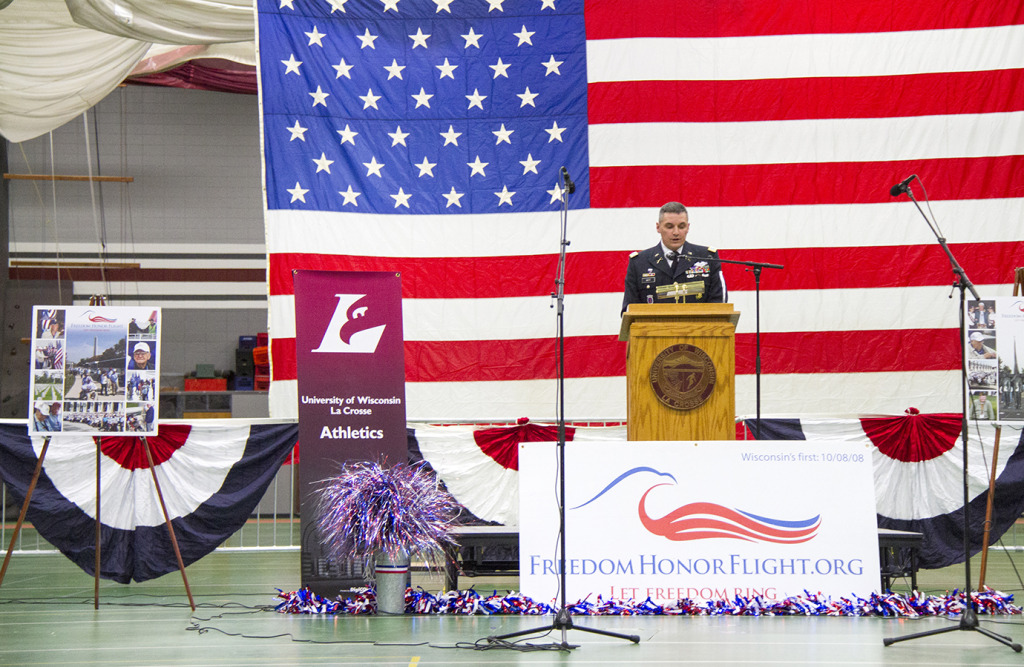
x,y
47,617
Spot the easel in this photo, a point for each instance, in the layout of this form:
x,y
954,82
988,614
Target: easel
x,y
98,300
1018,289
163,506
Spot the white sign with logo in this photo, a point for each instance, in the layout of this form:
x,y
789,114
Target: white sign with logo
x,y
703,521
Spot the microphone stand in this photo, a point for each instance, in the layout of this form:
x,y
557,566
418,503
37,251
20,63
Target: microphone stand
x,y
969,617
756,267
563,619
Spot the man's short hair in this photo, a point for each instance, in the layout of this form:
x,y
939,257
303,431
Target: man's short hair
x,y
671,207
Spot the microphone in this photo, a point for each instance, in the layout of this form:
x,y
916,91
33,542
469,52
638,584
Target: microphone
x,y
570,187
901,187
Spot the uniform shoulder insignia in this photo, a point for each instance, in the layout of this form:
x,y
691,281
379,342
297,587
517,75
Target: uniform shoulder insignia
x,y
710,249
634,254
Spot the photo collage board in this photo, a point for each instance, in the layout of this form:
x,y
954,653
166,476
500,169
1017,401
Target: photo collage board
x,y
95,370
995,359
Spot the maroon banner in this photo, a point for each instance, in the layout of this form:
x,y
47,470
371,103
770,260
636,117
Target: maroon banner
x,y
351,392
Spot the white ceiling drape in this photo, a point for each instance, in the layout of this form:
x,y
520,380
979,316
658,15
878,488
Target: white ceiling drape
x,y
53,67
168,21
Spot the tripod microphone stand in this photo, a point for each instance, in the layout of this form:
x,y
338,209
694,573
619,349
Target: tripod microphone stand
x,y
757,267
969,617
563,618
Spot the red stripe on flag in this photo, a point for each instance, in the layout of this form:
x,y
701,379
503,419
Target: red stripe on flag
x,y
804,183
875,351
603,272
803,98
886,266
605,356
282,357
615,19
436,277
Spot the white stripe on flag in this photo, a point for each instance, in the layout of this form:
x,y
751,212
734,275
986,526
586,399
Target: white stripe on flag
x,y
797,141
800,56
726,227
605,398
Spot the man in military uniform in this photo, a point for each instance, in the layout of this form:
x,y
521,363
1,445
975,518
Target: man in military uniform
x,y
673,261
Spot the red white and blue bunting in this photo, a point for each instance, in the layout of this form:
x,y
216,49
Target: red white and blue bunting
x,y
211,477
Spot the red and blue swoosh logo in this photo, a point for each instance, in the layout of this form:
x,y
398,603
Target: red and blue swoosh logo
x,y
705,521
97,318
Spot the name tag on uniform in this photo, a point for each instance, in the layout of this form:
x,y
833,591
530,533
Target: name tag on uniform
x,y
648,277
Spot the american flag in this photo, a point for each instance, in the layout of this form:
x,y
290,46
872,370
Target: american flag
x,y
46,317
426,137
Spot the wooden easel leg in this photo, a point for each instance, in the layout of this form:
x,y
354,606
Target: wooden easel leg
x,y
24,507
167,520
96,585
988,508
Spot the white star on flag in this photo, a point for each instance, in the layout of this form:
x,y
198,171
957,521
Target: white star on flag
x,y
350,196
472,38
477,167
555,132
529,164
524,36
369,99
476,99
451,136
503,135
398,137
419,39
500,69
556,194
426,167
366,40
527,97
323,164
346,134
446,70
319,97
401,199
373,167
298,132
552,66
292,65
394,69
298,193
315,37
453,197
422,98
343,69
504,197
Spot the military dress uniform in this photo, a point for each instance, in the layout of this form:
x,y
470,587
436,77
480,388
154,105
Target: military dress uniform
x,y
649,270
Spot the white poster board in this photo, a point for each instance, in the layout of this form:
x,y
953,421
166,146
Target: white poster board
x,y
703,521
995,359
95,370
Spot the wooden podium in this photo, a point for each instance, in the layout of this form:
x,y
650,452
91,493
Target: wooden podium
x,y
671,346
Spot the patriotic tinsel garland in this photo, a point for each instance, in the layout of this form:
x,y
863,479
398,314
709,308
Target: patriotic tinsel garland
x,y
470,602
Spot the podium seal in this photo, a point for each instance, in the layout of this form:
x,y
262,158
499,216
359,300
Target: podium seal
x,y
683,376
